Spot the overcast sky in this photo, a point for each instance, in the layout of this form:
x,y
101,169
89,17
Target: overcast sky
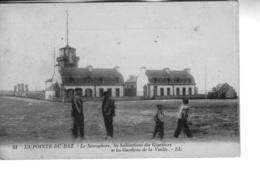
x,y
130,35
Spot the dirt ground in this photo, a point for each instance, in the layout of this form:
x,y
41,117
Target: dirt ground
x,y
35,120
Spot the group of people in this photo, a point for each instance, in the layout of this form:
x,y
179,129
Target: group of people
x,y
108,111
182,123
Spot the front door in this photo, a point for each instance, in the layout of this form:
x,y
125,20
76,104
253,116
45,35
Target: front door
x,y
190,91
88,92
178,91
162,91
145,90
70,93
184,91
155,91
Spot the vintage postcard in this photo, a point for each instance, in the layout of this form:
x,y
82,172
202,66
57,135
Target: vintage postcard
x,y
119,80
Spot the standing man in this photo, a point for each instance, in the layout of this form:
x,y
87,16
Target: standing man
x,y
183,120
108,110
159,122
77,115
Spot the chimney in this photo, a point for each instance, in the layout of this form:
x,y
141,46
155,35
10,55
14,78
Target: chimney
x,y
167,70
90,68
117,68
187,70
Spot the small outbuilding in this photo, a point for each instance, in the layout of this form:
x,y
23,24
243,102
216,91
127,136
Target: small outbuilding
x,y
130,86
53,91
223,91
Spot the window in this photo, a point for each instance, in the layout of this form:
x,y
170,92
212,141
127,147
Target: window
x,y
79,90
162,91
117,80
184,91
70,93
109,91
190,91
88,93
168,80
117,92
66,52
71,79
155,80
155,91
168,91
101,91
61,52
88,79
177,91
101,80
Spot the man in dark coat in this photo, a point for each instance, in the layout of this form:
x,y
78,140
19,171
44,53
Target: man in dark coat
x,y
108,110
77,115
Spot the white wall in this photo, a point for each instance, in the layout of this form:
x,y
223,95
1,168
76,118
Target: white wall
x,y
165,90
49,95
159,90
187,89
173,89
104,87
113,87
142,80
78,86
57,76
48,84
82,87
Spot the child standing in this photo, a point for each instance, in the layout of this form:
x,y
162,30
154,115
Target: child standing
x,y
182,120
159,122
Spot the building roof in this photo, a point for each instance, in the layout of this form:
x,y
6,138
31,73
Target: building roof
x,y
53,87
67,46
224,87
225,90
91,76
167,76
49,80
131,79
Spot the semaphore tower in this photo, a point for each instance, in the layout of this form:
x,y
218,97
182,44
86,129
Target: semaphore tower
x,y
67,55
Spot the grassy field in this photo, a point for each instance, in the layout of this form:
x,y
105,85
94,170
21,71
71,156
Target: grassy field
x,y
35,120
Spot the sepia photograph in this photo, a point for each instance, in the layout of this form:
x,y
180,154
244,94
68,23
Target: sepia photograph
x,y
119,80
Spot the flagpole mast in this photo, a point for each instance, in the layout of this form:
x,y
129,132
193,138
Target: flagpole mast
x,y
67,27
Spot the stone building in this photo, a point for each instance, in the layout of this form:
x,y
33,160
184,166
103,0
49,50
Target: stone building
x,y
165,82
130,86
223,91
92,82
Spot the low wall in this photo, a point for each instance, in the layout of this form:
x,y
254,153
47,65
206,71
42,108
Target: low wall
x,y
6,93
35,95
40,96
130,98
